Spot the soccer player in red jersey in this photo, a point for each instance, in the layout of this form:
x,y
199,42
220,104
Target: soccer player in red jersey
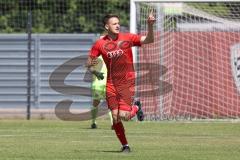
x,y
115,48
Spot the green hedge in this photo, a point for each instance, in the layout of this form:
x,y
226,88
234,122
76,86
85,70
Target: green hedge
x,y
60,16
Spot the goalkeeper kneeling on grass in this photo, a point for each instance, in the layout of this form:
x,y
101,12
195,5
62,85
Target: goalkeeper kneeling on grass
x,y
98,89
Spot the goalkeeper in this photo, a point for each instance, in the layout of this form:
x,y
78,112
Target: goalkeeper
x,y
98,89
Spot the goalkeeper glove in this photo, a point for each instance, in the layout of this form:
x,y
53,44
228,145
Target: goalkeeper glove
x,y
99,75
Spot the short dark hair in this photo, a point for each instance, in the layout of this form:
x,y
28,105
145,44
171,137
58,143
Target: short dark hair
x,y
107,17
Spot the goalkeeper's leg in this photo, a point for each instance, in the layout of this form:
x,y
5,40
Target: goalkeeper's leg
x,y
94,112
98,95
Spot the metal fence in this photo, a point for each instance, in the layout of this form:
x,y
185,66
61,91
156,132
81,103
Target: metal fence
x,y
48,51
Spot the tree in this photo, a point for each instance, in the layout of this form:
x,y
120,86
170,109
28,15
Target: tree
x,y
60,16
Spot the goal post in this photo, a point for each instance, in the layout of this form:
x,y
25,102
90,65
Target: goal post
x,y
192,70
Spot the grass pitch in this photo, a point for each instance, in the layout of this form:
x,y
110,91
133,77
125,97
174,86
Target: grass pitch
x,y
60,140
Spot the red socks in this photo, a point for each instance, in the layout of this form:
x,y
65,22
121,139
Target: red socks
x,y
120,132
133,111
119,129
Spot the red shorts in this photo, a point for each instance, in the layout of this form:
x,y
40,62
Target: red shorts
x,y
120,96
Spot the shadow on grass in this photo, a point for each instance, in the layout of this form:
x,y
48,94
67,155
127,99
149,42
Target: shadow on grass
x,y
105,151
99,128
110,151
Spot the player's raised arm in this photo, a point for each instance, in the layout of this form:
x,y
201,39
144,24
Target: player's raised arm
x,y
149,38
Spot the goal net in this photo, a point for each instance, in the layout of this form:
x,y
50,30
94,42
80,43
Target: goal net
x,y
192,70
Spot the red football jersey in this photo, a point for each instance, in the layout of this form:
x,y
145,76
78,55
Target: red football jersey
x,y
117,55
